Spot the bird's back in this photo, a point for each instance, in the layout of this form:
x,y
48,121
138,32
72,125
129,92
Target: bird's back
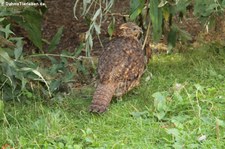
x,y
120,66
121,60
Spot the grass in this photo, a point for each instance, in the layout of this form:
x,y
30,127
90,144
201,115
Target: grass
x,y
179,104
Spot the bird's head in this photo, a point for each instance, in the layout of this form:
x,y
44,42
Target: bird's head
x,y
129,30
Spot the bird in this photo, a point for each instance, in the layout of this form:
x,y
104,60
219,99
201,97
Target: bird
x,y
120,66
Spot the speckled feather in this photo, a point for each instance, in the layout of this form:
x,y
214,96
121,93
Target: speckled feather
x,y
121,63
120,67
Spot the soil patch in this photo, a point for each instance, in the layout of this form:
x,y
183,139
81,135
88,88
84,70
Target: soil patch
x,y
60,13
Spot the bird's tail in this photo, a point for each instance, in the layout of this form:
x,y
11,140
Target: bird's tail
x,y
102,97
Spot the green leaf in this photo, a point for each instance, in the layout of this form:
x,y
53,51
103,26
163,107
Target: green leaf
x,y
136,8
173,131
79,50
56,39
85,3
19,47
89,131
111,27
144,114
97,28
2,19
134,15
181,6
177,96
90,40
160,101
223,3
54,85
173,35
68,77
4,57
205,8
220,123
160,115
134,5
5,12
28,94
199,87
97,13
162,3
179,120
212,7
156,18
31,21
18,52
7,31
39,75
172,38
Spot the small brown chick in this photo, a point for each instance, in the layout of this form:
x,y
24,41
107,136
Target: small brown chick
x,y
120,66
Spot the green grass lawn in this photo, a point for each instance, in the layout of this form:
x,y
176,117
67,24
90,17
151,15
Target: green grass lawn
x,y
180,103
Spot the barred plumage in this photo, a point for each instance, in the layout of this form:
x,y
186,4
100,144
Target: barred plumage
x,y
120,67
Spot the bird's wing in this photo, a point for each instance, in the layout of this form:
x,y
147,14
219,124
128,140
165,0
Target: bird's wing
x,y
122,60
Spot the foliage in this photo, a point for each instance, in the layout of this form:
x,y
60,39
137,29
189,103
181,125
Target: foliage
x,y
94,20
28,76
162,12
28,18
208,8
159,13
22,77
19,75
15,70
181,106
208,11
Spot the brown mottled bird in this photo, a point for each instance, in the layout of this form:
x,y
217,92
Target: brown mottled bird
x,y
120,67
